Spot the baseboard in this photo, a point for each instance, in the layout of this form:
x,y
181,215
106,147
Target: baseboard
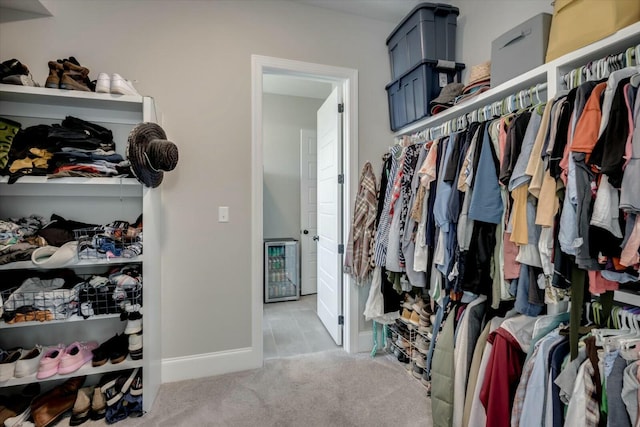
x,y
365,341
209,364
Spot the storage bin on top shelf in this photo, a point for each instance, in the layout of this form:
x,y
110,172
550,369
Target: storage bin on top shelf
x,y
427,32
410,95
577,23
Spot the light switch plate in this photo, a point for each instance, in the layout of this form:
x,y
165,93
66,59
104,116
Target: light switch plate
x,y
223,214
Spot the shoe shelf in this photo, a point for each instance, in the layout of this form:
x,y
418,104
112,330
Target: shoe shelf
x,y
92,201
87,369
34,100
83,263
73,318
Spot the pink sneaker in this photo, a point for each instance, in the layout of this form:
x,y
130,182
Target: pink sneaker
x,y
76,355
49,362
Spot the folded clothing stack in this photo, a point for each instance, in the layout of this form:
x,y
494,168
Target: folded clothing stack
x,y
73,148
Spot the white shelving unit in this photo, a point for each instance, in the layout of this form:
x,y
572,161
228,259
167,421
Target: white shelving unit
x,y
91,200
550,73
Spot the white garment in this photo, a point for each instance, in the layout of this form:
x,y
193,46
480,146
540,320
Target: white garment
x,y
374,308
421,251
577,410
545,248
393,246
606,208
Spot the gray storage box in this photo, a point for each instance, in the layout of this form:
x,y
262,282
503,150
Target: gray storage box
x,y
427,32
520,49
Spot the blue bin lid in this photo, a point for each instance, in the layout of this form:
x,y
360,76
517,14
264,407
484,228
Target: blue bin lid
x,y
438,8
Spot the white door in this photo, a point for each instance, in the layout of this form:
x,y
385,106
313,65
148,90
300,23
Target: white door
x,y
308,211
330,215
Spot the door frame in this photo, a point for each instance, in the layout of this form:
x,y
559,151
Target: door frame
x,y
304,133
348,78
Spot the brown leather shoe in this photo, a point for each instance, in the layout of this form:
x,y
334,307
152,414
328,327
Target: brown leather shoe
x,y
47,408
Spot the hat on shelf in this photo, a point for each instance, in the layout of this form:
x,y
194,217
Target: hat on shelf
x,y
150,153
448,93
480,72
54,257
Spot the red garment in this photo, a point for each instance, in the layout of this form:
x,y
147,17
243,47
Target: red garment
x,y
588,126
501,377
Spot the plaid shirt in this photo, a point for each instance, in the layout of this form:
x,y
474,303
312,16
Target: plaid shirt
x,y
358,257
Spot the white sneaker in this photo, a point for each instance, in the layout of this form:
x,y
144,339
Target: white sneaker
x,y
8,364
29,362
121,86
103,84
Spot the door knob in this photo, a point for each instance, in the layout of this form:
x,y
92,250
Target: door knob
x,y
305,231
316,238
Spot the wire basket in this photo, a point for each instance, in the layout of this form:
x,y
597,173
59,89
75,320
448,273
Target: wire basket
x,y
109,299
119,241
24,306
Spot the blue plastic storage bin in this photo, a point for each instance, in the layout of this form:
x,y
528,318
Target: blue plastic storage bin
x,y
410,95
427,32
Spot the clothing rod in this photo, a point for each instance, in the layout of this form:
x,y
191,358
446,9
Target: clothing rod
x,y
507,105
601,68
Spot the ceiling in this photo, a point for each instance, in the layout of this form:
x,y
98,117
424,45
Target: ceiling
x,y
382,10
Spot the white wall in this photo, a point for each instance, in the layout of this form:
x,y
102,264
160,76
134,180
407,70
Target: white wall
x,y
482,21
283,117
194,58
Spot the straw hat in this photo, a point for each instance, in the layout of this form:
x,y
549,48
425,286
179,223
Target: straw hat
x,y
480,72
150,153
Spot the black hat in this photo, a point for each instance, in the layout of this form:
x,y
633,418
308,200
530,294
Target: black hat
x,y
150,153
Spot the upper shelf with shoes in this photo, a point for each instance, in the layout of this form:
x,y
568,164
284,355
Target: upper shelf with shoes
x,y
26,101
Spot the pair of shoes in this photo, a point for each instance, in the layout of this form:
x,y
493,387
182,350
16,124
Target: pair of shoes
x,y
29,362
134,322
135,346
115,349
48,408
8,360
415,318
65,360
116,389
417,371
14,72
115,84
90,403
68,74
406,315
422,344
408,301
14,407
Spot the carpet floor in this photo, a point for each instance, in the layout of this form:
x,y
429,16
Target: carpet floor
x,y
330,388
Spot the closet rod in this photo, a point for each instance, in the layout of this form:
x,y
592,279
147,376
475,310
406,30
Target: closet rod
x,y
508,105
601,68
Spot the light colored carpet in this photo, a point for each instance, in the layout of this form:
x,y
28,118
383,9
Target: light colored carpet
x,y
330,388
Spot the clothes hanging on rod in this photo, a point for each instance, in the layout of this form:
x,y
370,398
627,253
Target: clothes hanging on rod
x,y
524,209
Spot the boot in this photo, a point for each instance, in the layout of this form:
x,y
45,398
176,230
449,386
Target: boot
x,y
74,77
55,73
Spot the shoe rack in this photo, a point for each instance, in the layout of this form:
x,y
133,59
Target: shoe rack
x,y
409,346
91,200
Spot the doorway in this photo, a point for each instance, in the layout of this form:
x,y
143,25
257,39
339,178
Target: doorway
x,y
346,80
